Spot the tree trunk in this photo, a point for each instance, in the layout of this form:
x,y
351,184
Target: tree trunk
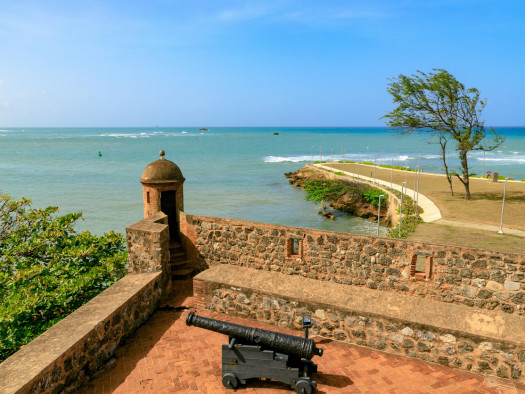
x,y
449,177
465,180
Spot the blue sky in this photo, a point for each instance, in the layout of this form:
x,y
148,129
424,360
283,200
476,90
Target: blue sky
x,y
248,63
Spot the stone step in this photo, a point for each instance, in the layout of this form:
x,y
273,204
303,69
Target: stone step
x,y
182,272
180,263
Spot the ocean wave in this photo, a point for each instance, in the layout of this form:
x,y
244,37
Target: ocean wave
x,y
507,159
292,159
143,134
124,135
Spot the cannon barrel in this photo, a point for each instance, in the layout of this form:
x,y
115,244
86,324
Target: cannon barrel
x,y
288,344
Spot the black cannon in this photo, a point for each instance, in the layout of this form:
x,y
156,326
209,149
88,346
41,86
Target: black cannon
x,y
256,353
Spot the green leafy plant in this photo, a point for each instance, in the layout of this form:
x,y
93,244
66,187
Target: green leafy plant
x,y
339,173
408,226
47,270
372,196
325,190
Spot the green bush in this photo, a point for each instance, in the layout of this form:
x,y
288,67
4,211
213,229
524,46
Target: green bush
x,y
339,173
326,190
47,270
408,225
372,196
331,190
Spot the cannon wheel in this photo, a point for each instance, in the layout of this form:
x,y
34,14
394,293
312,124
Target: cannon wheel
x,y
303,387
229,380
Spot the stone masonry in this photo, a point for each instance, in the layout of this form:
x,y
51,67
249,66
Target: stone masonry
x,y
474,277
461,350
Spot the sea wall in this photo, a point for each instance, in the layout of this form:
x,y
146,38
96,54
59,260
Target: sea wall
x,y
476,278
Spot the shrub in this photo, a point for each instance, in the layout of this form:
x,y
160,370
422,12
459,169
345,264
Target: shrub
x,y
372,196
47,270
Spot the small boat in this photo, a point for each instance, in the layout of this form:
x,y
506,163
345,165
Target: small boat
x,y
203,129
275,133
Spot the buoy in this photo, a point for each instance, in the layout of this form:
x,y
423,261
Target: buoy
x,y
99,154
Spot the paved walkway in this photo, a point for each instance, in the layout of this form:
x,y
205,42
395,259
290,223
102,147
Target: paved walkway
x,y
431,211
166,356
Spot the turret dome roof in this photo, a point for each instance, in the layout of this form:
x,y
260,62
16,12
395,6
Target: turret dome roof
x,y
162,170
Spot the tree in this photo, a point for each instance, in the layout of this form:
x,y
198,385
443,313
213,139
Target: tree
x,y
440,105
47,270
442,140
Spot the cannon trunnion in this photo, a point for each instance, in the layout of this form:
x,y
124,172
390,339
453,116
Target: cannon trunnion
x,y
255,353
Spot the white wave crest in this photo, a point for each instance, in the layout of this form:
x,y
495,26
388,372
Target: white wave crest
x,y
125,135
292,159
507,159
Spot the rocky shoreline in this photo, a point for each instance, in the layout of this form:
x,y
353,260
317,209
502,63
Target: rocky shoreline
x,y
351,203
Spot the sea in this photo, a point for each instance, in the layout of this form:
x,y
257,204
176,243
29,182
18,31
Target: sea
x,y
235,173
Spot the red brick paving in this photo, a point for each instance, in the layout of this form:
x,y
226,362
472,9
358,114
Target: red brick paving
x,y
166,356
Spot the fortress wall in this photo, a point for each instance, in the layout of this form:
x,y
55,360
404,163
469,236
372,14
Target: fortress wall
x,y
486,342
68,353
75,348
476,278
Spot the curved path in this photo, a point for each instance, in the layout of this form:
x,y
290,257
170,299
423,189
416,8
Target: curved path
x,y
431,211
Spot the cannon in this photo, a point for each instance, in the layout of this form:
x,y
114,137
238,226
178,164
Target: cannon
x,y
256,353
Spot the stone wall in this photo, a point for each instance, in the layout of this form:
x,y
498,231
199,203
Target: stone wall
x,y
417,329
474,277
148,244
67,354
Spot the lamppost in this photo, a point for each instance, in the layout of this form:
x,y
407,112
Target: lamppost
x,y
417,192
379,213
503,208
401,208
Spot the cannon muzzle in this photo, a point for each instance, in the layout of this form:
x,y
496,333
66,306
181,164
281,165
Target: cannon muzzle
x,y
288,344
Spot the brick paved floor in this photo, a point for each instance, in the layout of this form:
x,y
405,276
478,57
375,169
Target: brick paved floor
x,y
166,356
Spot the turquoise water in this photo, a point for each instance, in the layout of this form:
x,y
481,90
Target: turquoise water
x,y
230,172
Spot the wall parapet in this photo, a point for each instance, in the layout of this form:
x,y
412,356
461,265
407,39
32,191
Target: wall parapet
x,y
486,342
488,280
65,355
148,244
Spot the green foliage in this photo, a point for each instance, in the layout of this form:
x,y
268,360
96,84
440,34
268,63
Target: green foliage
x,y
346,161
47,270
331,190
367,163
440,105
408,226
319,162
326,190
372,196
339,173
